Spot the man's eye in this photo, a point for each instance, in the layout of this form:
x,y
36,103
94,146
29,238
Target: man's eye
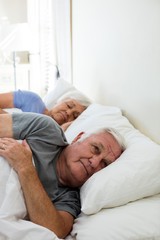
x,y
96,149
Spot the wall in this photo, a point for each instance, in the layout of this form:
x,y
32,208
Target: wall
x,y
116,57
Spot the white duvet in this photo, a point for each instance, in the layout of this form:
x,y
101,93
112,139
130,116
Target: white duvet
x,y
131,185
13,210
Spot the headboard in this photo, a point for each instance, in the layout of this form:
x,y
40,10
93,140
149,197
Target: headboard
x,y
116,57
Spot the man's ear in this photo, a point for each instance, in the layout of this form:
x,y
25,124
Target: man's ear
x,y
77,137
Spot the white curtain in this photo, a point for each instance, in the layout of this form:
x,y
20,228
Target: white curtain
x,y
51,49
63,38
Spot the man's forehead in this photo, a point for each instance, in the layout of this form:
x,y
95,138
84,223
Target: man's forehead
x,y
102,135
101,138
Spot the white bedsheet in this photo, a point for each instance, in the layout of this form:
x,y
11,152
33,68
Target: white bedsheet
x,y
13,210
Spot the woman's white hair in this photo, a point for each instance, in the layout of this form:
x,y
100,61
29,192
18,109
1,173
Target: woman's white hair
x,y
79,97
119,138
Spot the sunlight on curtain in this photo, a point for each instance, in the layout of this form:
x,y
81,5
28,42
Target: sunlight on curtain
x,y
42,54
51,47
63,38
47,44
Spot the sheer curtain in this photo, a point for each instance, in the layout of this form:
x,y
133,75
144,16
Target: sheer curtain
x,y
63,38
50,54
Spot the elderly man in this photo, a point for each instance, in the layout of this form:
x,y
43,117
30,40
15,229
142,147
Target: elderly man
x,y
52,171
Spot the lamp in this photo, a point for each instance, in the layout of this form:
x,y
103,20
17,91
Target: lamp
x,y
14,38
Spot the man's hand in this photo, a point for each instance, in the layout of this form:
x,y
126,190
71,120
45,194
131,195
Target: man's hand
x,y
17,154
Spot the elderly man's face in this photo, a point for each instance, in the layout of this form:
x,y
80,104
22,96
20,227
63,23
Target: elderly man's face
x,y
83,159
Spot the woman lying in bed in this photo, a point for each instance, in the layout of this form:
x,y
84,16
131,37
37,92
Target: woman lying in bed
x,y
64,112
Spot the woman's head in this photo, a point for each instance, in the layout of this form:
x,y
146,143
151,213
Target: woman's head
x,y
66,110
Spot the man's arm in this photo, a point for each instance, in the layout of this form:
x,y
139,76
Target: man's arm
x,y
40,208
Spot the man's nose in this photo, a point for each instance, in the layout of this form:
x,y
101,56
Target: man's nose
x,y
95,161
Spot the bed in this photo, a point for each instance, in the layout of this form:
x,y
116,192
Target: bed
x,y
121,202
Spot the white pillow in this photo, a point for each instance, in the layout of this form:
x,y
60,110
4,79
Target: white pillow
x,y
64,89
139,220
135,175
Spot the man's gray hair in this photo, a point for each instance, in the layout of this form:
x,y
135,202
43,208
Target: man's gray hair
x,y
110,130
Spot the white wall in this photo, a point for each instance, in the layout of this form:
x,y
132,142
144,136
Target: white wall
x,y
116,57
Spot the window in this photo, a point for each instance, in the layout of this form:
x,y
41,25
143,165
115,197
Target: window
x,y
41,46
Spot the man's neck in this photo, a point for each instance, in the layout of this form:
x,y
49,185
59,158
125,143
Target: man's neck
x,y
60,168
